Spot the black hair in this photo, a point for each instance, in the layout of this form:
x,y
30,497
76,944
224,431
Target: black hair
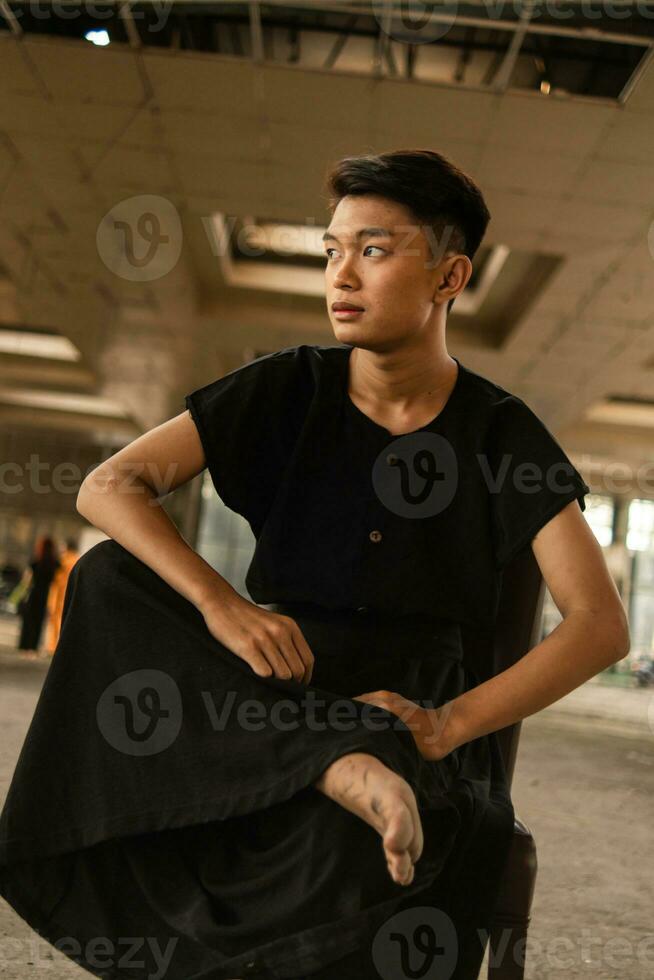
x,y
436,192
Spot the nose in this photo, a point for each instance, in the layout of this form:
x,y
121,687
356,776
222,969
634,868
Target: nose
x,y
345,275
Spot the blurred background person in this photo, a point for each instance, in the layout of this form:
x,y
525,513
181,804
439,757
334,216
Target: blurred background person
x,y
55,604
39,574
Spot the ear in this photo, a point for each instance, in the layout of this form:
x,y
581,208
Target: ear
x,y
453,275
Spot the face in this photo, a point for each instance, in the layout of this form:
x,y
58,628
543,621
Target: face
x,y
393,270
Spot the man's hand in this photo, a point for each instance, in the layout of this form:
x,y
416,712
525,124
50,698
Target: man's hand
x,y
272,644
425,724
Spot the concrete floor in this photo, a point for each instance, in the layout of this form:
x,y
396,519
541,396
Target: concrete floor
x,y
586,795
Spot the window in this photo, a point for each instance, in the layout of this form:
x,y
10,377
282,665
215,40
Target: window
x,y
640,541
224,539
640,525
599,514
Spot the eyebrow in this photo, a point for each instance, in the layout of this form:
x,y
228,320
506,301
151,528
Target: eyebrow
x,y
361,233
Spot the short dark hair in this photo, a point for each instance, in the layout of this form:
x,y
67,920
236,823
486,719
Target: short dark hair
x,y
434,190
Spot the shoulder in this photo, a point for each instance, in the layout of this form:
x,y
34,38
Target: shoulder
x,y
299,354
488,391
299,362
280,384
291,377
496,405
300,359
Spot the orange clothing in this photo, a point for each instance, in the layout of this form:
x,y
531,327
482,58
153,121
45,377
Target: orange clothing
x,y
56,595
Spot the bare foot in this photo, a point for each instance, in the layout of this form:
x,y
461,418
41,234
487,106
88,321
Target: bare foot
x,y
362,784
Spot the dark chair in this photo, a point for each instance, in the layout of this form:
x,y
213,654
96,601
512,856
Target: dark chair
x,y
517,630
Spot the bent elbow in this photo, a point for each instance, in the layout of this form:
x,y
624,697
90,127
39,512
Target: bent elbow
x,y
625,645
622,635
88,491
79,501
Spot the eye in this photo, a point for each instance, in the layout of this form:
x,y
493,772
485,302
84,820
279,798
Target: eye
x,y
328,250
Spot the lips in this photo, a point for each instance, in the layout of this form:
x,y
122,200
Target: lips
x,y
347,306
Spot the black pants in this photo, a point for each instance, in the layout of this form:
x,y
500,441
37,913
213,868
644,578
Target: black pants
x,y
136,811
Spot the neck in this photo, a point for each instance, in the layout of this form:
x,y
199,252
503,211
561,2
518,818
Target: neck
x,y
403,378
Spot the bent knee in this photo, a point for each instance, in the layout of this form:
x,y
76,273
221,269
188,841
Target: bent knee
x,y
99,558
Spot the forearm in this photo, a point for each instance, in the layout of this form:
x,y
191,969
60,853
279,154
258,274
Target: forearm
x,y
581,646
131,514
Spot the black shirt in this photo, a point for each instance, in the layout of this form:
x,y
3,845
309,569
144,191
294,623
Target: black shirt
x,y
347,515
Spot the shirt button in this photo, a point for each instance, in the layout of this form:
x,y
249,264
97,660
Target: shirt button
x,y
375,536
391,459
362,609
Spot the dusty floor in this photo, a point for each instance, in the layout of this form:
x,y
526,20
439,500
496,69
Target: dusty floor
x,y
586,796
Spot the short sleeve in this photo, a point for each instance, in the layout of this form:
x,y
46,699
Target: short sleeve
x,y
248,422
530,477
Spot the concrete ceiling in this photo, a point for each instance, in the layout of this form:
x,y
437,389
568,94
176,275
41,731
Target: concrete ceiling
x,y
83,129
